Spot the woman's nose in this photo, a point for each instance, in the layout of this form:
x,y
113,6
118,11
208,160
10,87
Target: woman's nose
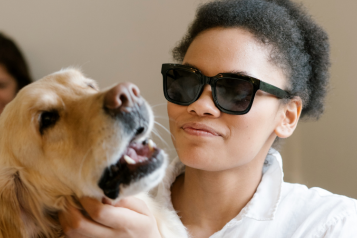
x,y
204,105
122,98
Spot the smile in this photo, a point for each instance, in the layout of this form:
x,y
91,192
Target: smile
x,y
198,129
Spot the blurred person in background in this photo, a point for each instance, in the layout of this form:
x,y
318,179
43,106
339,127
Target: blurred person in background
x,y
14,72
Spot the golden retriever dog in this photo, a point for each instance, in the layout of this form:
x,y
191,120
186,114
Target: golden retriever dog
x,y
62,138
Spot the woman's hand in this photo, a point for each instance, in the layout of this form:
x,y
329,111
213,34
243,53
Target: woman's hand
x,y
129,218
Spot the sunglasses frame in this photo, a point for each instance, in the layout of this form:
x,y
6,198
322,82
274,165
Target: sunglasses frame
x,y
257,85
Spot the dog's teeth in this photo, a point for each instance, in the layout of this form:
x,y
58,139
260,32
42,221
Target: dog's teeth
x,y
129,160
151,145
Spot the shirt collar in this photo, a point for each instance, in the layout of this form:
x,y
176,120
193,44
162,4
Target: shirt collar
x,y
266,199
261,207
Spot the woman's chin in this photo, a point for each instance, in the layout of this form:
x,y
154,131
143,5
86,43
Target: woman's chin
x,y
200,161
202,158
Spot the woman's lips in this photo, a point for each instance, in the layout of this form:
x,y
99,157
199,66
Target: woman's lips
x,y
199,129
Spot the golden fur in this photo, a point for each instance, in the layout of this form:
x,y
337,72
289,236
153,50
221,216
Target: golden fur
x,y
40,174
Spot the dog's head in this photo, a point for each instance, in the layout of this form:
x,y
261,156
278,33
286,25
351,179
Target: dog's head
x,y
66,136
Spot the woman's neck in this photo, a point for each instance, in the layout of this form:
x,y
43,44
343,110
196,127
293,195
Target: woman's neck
x,y
207,200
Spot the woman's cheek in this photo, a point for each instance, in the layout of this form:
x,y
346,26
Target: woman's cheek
x,y
173,111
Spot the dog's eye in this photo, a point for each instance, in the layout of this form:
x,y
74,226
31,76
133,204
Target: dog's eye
x,y
48,119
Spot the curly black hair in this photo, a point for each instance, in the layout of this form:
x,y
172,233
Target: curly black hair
x,y
13,61
299,46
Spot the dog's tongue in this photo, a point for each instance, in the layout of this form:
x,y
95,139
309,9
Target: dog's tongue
x,y
132,154
137,152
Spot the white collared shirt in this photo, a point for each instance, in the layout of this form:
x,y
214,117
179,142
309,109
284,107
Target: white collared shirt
x,y
279,209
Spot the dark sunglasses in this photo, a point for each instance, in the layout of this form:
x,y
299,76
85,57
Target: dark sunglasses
x,y
232,93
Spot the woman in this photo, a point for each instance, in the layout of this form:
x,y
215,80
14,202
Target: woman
x,y
228,182
14,73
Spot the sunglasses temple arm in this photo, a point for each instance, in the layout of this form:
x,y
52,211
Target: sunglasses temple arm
x,y
266,87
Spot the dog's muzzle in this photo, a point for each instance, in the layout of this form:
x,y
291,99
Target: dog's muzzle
x,y
125,105
143,160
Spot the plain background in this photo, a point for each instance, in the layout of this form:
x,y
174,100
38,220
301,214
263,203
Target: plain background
x,y
120,40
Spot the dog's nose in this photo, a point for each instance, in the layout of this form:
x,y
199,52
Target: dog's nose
x,y
122,97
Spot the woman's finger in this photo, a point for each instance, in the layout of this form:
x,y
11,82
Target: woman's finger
x,y
105,214
121,216
134,204
75,225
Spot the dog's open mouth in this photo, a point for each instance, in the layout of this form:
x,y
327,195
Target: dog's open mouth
x,y
137,154
137,161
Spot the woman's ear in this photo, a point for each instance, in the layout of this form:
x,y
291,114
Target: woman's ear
x,y
290,117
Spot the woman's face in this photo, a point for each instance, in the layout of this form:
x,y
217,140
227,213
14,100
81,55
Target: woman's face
x,y
8,88
204,137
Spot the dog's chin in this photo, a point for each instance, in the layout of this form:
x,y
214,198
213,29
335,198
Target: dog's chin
x,y
144,184
140,168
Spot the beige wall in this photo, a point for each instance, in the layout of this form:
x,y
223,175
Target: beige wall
x,y
324,153
127,40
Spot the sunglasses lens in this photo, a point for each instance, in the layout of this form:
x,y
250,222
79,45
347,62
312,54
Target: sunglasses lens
x,y
234,94
182,85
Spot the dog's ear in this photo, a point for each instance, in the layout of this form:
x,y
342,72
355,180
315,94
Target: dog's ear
x,y
11,224
21,212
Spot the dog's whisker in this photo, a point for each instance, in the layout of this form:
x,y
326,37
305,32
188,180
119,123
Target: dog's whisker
x,y
82,163
161,139
163,117
158,135
160,104
169,149
172,136
159,124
